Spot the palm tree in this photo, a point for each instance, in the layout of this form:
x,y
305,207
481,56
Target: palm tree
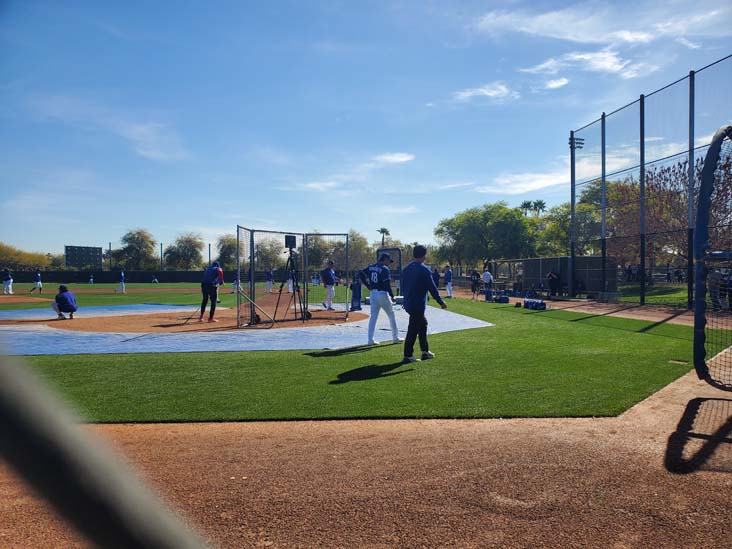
x,y
384,233
539,206
526,205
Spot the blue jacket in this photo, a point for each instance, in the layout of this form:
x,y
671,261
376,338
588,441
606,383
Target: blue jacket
x,y
66,302
327,276
416,282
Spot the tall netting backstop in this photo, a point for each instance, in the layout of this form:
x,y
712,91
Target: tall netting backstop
x,y
635,175
286,277
713,266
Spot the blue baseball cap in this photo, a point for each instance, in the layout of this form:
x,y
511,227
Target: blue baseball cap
x,y
384,256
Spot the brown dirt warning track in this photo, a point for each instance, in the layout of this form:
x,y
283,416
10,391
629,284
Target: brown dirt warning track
x,y
659,475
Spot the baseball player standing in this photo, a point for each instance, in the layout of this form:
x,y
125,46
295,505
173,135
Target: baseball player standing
x,y
38,285
448,281
213,277
268,280
416,282
121,287
7,282
377,278
327,277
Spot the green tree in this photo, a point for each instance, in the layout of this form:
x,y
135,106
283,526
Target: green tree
x,y
360,253
539,207
186,252
477,235
14,258
526,206
138,251
384,233
226,246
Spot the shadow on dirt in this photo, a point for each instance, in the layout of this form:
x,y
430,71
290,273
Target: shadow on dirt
x,y
703,438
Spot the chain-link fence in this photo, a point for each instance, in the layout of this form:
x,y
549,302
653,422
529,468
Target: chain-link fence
x,y
634,175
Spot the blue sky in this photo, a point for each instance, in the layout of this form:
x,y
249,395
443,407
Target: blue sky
x,y
319,115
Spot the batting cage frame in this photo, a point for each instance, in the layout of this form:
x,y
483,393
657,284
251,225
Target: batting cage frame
x,y
285,276
713,265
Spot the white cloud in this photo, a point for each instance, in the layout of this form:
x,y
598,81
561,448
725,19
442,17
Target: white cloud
x,y
149,139
595,23
688,43
496,92
588,24
605,60
319,186
556,84
598,61
638,69
520,183
550,66
393,158
456,186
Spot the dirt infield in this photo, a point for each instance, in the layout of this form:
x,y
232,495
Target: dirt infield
x,y
183,321
20,299
644,479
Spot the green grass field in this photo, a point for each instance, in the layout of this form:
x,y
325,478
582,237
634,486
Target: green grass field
x,y
531,364
674,295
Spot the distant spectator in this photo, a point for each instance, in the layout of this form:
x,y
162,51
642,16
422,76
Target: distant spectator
x,y
487,278
7,282
65,302
668,272
554,282
474,283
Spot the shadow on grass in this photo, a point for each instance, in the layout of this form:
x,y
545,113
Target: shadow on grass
x,y
366,373
703,438
556,314
345,351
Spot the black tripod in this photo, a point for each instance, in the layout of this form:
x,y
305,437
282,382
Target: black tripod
x,y
296,296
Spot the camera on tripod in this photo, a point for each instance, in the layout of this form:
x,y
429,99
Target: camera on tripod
x,y
290,241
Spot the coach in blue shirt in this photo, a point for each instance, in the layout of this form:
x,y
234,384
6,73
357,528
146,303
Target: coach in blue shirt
x,y
416,282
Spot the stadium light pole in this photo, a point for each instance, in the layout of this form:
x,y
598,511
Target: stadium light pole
x,y
574,143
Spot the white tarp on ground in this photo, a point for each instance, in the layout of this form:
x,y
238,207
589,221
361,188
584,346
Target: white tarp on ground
x,y
43,340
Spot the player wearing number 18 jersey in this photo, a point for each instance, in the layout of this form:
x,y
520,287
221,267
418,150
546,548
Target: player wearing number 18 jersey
x,y
378,280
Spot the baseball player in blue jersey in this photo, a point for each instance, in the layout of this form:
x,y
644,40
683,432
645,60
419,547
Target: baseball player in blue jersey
x,y
213,277
121,288
377,278
416,282
268,280
38,285
328,278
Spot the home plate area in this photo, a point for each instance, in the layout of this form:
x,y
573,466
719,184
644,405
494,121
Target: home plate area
x,y
34,339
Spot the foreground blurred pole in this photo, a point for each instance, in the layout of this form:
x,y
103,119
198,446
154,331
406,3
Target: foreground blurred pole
x,y
85,482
